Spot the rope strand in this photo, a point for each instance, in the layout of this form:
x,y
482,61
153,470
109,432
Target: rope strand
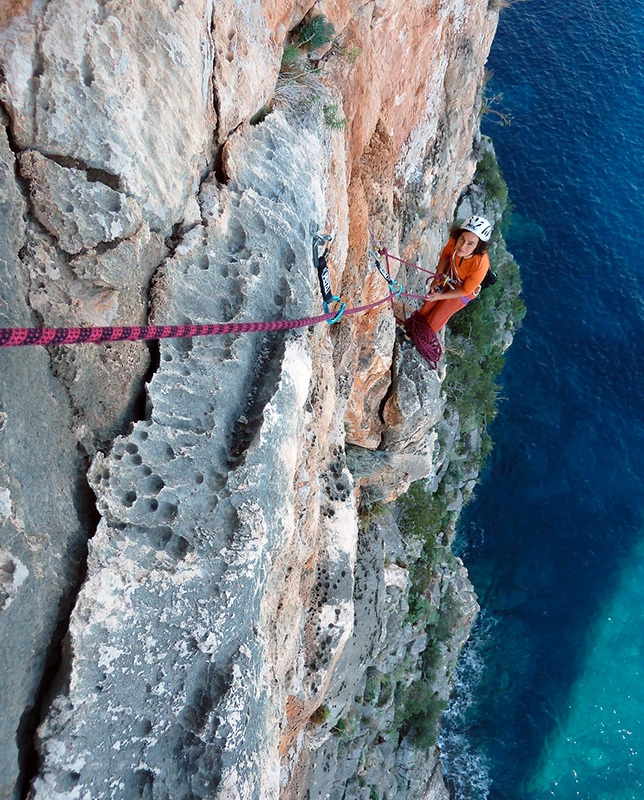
x,y
19,337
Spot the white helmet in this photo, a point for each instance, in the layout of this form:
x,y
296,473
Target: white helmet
x,y
480,226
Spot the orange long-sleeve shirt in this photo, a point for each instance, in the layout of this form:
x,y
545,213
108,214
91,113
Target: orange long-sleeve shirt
x,y
470,271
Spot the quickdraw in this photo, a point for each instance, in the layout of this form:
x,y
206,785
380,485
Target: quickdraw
x,y
395,287
424,338
320,252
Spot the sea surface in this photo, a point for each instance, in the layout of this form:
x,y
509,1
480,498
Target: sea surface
x,y
550,691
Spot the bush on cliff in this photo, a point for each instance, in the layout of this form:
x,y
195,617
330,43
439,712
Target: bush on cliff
x,y
490,178
477,341
475,344
313,33
423,711
299,86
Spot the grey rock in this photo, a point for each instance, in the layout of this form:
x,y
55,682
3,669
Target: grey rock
x,y
353,723
123,89
195,503
42,501
247,61
96,288
79,213
361,749
414,406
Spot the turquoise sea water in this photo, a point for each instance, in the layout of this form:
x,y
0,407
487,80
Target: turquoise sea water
x,y
550,697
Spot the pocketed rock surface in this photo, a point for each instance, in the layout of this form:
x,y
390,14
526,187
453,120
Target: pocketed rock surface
x,y
189,603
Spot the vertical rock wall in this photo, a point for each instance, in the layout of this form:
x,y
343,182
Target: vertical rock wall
x,y
141,183
43,510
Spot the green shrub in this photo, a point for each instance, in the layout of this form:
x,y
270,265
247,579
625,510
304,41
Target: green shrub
x,y
313,33
290,57
346,727
370,509
386,690
419,707
421,715
448,617
423,517
350,53
332,119
489,176
419,606
432,656
372,685
320,715
423,512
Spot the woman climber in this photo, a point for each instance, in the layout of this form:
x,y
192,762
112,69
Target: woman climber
x,y
462,266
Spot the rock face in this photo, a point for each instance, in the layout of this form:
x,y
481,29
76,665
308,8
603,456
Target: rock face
x,y
364,749
196,624
44,506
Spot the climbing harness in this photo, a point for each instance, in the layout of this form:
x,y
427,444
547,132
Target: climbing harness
x,y
450,278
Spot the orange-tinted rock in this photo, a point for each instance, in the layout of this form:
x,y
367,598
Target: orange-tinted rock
x,y
411,100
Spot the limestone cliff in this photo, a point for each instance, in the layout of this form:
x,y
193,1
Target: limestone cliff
x,y
189,604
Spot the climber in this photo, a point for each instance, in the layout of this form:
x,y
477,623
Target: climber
x,y
462,266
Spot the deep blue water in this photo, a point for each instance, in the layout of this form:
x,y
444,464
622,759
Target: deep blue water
x,y
551,698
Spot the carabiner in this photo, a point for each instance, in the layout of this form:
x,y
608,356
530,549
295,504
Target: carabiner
x,y
340,312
